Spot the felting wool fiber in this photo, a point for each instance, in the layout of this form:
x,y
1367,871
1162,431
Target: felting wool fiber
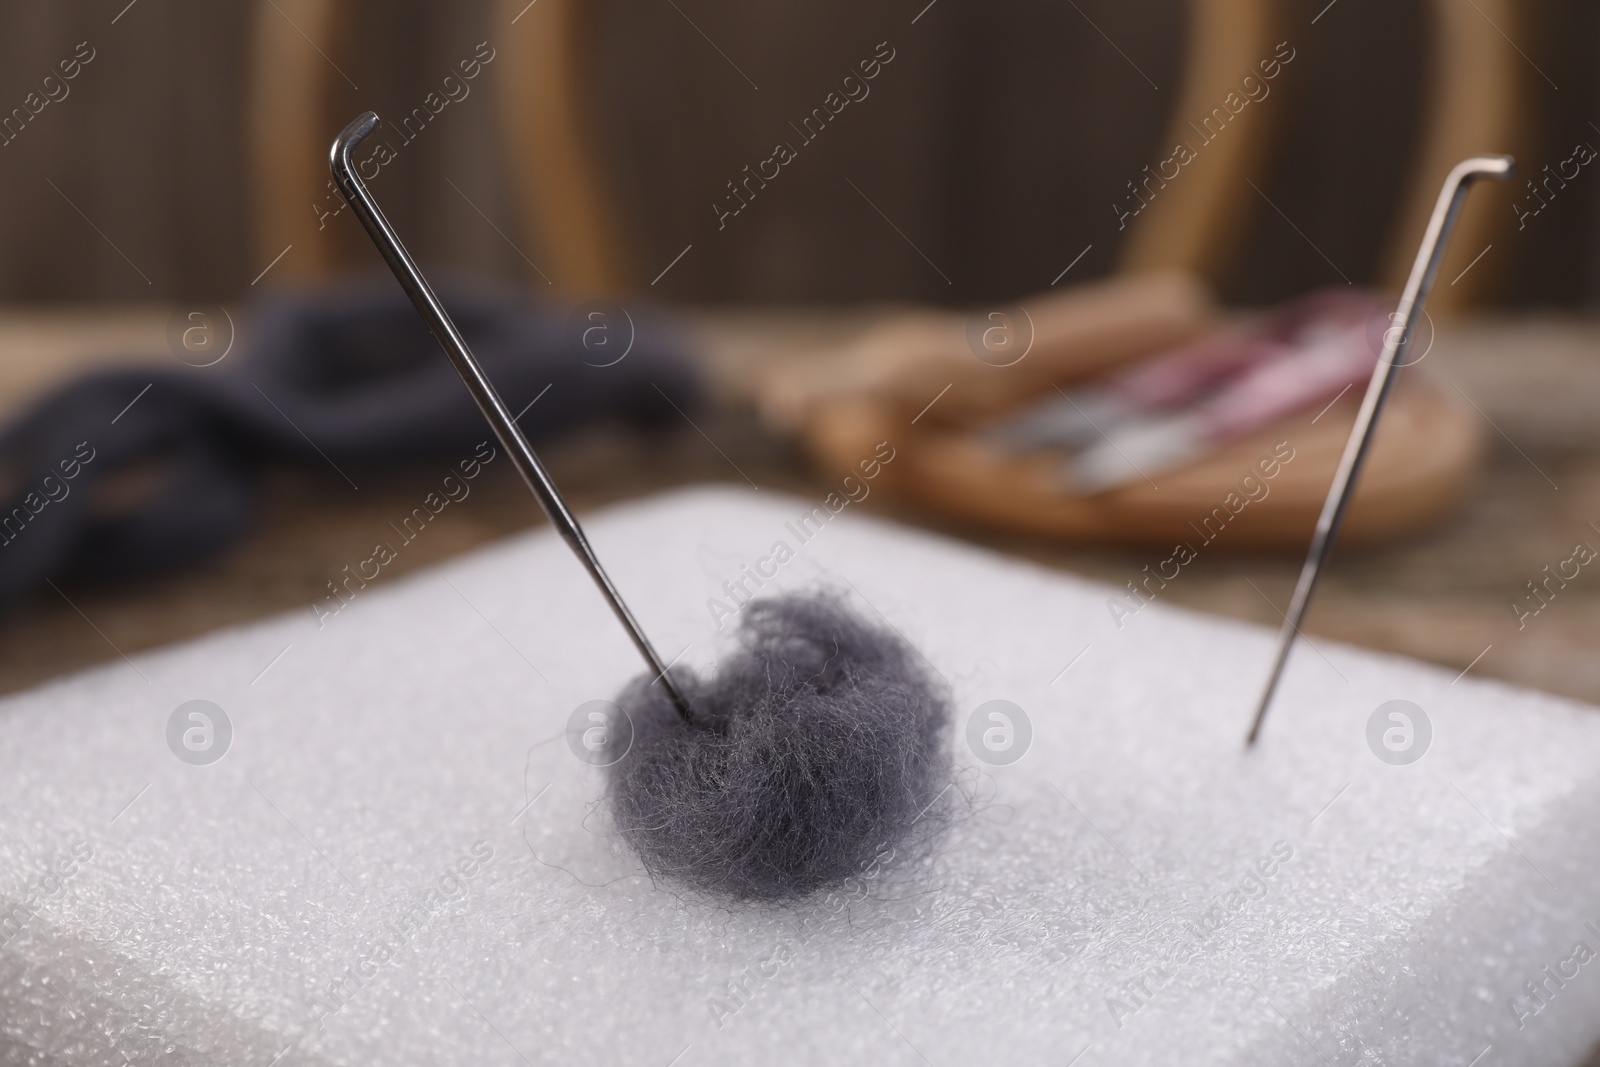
x,y
817,746
402,859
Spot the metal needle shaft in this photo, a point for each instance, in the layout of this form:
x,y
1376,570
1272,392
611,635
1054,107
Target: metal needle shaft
x,y
494,409
1396,344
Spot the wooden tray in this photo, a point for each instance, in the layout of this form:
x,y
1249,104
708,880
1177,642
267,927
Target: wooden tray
x,y
1423,461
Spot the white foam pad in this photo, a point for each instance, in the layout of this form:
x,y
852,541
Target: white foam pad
x,y
399,860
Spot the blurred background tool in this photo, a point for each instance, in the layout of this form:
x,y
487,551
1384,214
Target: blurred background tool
x,y
971,366
1181,427
1326,324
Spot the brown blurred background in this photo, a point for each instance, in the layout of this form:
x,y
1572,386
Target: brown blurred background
x,y
996,141
185,162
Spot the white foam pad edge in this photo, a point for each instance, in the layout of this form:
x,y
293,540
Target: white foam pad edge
x,y
399,860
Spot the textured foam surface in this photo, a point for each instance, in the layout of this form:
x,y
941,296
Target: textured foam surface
x,y
400,860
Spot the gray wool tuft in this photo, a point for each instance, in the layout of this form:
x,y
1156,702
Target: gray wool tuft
x,y
817,747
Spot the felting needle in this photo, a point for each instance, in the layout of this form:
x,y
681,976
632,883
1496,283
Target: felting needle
x,y
1396,342
483,391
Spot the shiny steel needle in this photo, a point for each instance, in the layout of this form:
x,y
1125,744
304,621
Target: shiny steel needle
x,y
1396,343
494,409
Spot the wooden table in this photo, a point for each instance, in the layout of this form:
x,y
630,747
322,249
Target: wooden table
x,y
1444,597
